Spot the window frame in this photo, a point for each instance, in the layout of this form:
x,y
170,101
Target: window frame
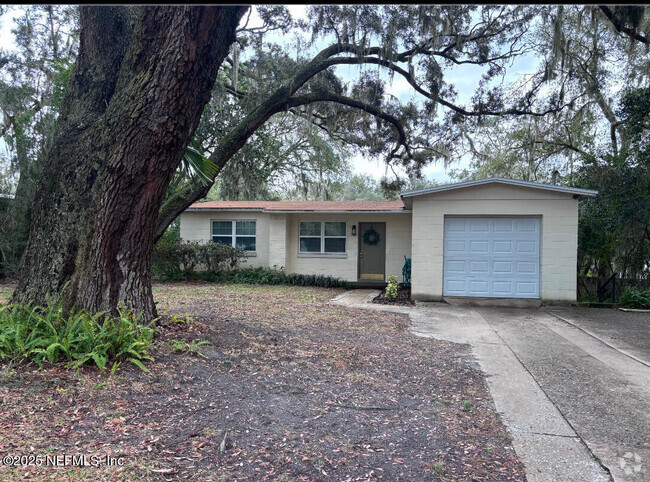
x,y
233,233
322,238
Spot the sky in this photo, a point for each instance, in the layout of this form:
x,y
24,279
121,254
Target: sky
x,y
464,77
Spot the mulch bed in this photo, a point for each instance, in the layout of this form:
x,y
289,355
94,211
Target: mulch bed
x,y
403,298
291,388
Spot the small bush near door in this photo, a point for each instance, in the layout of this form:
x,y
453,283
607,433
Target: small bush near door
x,y
392,287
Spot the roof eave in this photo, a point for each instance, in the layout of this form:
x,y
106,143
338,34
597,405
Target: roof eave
x,y
581,193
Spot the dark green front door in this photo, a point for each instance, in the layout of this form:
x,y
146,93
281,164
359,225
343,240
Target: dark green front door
x,y
372,251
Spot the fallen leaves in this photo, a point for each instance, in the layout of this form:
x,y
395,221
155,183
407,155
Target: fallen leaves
x,y
292,388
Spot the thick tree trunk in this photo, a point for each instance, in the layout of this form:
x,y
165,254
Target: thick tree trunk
x,y
135,97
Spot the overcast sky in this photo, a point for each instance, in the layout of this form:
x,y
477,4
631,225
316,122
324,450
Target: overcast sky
x,y
464,77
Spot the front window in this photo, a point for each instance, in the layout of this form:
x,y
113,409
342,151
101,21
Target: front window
x,y
239,234
322,237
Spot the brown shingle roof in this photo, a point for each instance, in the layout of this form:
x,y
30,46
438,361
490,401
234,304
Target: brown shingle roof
x,y
333,206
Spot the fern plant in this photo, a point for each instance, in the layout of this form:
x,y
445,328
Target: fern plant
x,y
635,298
44,334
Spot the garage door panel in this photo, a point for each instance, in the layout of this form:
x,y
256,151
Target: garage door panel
x,y
479,247
502,247
526,267
527,226
502,287
526,288
527,247
502,267
456,285
479,226
456,225
491,257
503,225
455,246
477,287
456,266
479,267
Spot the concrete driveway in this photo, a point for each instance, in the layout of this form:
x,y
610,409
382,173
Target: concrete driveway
x,y
573,386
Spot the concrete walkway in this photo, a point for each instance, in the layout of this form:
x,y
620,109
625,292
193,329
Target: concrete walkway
x,y
544,440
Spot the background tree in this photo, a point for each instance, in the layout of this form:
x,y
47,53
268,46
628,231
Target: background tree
x,y
594,142
287,157
32,82
614,234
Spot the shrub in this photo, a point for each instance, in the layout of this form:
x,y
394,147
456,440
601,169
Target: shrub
x,y
265,276
392,287
176,259
42,334
635,298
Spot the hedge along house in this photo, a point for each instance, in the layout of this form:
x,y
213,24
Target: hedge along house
x,y
492,238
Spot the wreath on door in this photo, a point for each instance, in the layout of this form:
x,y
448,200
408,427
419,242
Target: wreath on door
x,y
371,237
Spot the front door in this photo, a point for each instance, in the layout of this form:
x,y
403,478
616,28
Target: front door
x,y
372,251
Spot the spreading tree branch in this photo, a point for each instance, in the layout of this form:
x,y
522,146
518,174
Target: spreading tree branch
x,y
622,28
285,98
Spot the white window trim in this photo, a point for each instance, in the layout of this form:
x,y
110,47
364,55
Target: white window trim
x,y
233,234
322,252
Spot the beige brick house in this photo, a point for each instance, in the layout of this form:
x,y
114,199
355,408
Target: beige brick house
x,y
492,238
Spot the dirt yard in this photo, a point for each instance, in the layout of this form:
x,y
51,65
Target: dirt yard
x,y
289,388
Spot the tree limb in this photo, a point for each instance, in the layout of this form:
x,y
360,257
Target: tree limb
x,y
621,28
284,98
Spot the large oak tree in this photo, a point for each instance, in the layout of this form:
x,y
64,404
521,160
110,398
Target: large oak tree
x,y
135,96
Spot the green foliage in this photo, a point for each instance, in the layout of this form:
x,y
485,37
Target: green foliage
x,y
32,85
614,229
187,348
265,276
392,287
44,334
177,319
358,187
176,259
195,164
635,298
363,187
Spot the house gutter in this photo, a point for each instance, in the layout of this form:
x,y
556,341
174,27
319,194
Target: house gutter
x,y
277,211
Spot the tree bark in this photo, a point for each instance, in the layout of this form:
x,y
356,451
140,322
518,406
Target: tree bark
x,y
140,83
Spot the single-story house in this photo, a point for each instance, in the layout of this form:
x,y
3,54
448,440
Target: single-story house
x,y
491,238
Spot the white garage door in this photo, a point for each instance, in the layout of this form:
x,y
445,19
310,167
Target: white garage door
x,y
491,257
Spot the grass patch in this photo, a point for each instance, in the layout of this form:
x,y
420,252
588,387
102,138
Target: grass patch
x,y
187,347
